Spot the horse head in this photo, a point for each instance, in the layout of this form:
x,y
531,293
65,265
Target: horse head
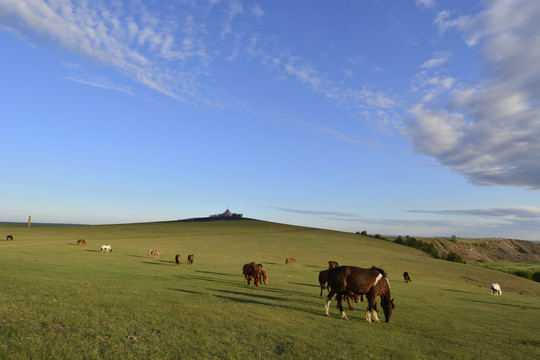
x,y
387,306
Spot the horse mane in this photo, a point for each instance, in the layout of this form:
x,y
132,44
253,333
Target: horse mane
x,y
379,270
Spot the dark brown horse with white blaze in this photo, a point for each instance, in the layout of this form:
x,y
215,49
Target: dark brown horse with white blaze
x,y
350,280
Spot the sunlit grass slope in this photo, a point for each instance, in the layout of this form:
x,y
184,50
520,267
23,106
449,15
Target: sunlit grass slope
x,y
61,300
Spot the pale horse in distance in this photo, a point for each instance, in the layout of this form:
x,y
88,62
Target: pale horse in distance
x,y
496,289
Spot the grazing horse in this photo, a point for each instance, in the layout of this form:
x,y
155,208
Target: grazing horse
x,y
106,248
406,277
9,237
347,280
323,279
260,275
255,272
177,260
332,264
81,242
190,259
496,289
248,270
154,253
290,261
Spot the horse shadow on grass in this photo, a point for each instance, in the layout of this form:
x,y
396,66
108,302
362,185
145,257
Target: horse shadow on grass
x,y
500,304
320,267
157,263
216,273
206,278
240,283
454,290
258,299
309,285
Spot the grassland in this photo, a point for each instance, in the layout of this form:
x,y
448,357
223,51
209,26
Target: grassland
x,y
64,301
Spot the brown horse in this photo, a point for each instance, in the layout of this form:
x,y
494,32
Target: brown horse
x,y
260,275
9,237
255,272
190,259
348,280
153,253
81,242
248,270
177,260
323,279
290,261
406,277
332,264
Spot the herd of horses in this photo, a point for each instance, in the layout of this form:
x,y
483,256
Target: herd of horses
x,y
153,253
343,282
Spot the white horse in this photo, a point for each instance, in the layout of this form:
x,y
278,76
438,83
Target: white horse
x,y
496,289
106,248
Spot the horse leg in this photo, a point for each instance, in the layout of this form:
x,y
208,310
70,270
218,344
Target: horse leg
x,y
327,305
349,302
371,305
340,304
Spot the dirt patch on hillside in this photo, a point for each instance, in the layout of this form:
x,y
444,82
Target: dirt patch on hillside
x,y
490,250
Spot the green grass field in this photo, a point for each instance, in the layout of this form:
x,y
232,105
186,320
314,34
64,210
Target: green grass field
x,y
59,300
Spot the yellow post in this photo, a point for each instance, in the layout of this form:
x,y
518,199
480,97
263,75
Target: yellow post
x,y
29,220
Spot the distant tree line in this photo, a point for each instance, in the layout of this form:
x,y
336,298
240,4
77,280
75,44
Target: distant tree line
x,y
426,247
535,276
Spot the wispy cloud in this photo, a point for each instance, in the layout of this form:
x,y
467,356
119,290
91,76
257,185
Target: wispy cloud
x,y
100,83
487,131
234,9
139,44
516,212
473,222
425,3
435,62
339,214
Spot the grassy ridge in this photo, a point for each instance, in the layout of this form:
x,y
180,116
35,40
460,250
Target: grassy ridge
x,y
61,300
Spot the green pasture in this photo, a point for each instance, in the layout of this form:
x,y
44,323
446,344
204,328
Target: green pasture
x,y
59,300
511,266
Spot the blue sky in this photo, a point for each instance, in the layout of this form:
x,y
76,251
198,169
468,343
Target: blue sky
x,y
394,117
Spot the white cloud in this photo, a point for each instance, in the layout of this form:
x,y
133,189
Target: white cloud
x,y
489,131
235,8
435,62
257,11
137,43
530,212
319,212
425,3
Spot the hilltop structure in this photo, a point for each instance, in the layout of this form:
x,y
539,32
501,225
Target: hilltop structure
x,y
227,215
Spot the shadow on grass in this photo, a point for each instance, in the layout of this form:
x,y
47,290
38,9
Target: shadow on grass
x,y
320,267
92,251
501,304
256,298
241,283
167,263
309,285
216,273
251,294
454,290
